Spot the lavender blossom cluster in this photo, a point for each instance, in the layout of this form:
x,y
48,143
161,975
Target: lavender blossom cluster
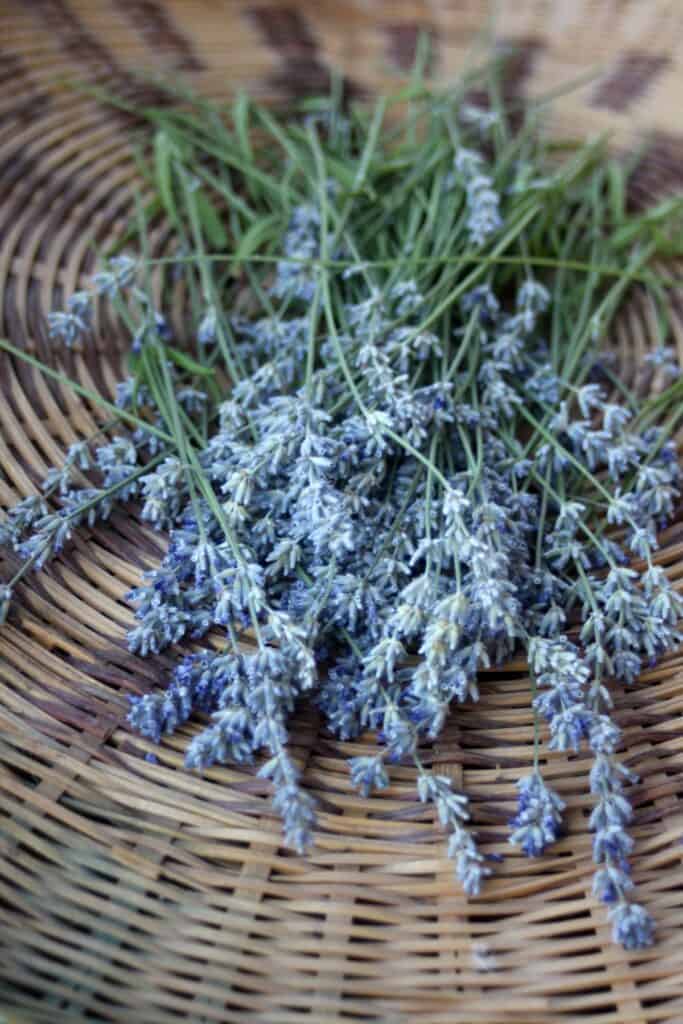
x,y
376,529
388,553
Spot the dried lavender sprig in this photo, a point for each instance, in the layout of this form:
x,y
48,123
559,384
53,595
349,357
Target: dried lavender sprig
x,y
74,323
538,820
53,529
633,926
483,201
470,865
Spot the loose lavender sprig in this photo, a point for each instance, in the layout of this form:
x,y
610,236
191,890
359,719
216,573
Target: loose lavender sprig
x,y
482,199
538,820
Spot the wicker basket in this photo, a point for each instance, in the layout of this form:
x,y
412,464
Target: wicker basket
x,y
136,892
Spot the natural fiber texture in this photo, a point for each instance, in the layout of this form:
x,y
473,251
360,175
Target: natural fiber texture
x,y
138,892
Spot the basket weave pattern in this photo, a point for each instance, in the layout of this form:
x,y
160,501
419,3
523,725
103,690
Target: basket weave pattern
x,y
132,891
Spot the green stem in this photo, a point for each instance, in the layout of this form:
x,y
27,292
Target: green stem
x,y
84,392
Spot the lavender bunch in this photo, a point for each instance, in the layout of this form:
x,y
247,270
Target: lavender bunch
x,y
384,457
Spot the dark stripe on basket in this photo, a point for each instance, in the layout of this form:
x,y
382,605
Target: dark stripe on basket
x,y
72,35
302,72
402,40
17,85
659,173
520,56
284,29
89,53
628,81
154,25
300,77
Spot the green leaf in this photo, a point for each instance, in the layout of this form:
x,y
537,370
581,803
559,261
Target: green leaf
x,y
164,153
240,114
186,362
626,234
253,239
616,190
210,221
236,202
133,362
